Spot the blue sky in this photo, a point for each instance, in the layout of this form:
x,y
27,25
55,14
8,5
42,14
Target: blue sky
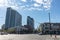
x,y
37,9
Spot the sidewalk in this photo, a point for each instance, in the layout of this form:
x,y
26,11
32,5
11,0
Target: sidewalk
x,y
55,37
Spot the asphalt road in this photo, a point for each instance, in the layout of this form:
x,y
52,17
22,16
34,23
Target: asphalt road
x,y
27,37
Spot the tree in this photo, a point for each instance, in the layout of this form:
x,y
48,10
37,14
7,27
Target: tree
x,y
11,30
39,29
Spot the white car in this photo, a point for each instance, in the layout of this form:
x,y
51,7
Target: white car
x,y
40,33
3,33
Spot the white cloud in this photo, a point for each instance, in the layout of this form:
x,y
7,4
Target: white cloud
x,y
45,6
24,0
45,0
14,7
39,1
39,4
36,5
8,3
32,8
1,1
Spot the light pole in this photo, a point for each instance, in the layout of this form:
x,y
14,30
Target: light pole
x,y
50,24
49,21
49,17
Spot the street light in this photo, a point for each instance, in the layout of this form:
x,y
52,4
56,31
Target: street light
x,y
49,21
50,24
49,17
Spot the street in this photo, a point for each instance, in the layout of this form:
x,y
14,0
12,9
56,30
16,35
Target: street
x,y
27,37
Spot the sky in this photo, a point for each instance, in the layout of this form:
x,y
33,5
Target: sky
x,y
37,9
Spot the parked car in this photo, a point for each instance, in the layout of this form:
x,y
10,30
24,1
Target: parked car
x,y
3,33
40,33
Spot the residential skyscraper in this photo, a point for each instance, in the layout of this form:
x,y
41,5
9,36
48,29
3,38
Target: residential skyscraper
x,y
30,22
13,18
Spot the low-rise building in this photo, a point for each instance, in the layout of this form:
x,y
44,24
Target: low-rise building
x,y
50,28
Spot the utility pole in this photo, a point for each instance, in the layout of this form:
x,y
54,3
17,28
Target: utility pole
x,y
50,24
49,21
49,18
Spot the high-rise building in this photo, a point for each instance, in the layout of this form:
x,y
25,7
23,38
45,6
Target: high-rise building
x,y
3,26
30,22
13,18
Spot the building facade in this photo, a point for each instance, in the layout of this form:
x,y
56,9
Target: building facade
x,y
30,22
3,26
50,28
13,18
